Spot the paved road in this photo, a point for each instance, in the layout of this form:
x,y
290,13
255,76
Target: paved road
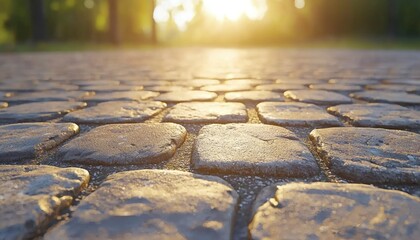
x,y
210,144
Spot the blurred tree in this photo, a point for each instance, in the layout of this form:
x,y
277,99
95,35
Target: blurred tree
x,y
113,21
38,20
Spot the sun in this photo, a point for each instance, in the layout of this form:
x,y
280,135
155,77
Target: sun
x,y
233,10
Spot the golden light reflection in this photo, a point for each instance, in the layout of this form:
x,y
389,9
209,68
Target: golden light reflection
x,y
182,12
235,9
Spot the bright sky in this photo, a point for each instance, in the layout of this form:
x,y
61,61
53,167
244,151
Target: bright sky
x,y
183,11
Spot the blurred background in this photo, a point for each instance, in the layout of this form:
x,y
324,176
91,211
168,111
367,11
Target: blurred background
x,y
208,22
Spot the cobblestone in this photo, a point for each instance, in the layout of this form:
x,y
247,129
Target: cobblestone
x,y
378,115
24,141
332,211
116,112
154,204
124,144
253,96
121,96
295,114
207,112
388,97
370,155
39,111
123,86
32,196
320,97
248,149
186,96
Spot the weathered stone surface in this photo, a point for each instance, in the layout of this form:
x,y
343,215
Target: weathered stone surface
x,y
295,114
352,81
153,204
4,95
280,87
370,155
32,196
378,115
253,96
25,140
199,82
207,112
121,144
116,112
317,97
3,104
121,96
169,88
36,86
336,87
147,83
227,87
388,97
252,82
335,211
252,149
394,87
46,96
39,111
299,81
111,88
186,96
403,81
97,82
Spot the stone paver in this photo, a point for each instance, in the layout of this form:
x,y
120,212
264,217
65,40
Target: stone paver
x,y
236,152
36,86
336,87
227,87
3,104
321,97
280,87
39,111
121,96
253,96
295,114
116,112
388,97
31,197
4,95
207,112
154,204
169,88
335,211
370,155
186,96
403,81
96,82
248,149
111,88
394,87
347,81
49,96
24,141
123,144
198,83
378,115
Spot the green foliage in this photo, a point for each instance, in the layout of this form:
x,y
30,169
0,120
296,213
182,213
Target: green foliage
x,y
87,21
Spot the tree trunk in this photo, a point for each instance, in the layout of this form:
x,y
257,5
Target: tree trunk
x,y
392,18
38,20
113,22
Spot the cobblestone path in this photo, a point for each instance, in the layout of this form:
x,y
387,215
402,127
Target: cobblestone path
x,y
210,144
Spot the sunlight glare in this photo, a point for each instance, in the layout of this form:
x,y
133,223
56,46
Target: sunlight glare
x,y
182,12
234,9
